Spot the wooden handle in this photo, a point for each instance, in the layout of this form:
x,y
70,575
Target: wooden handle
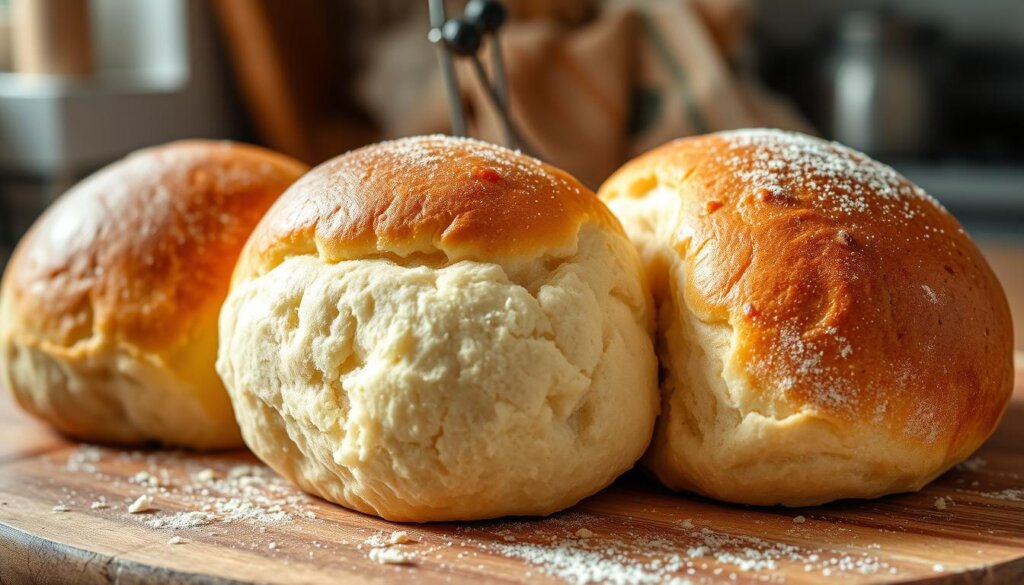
x,y
51,37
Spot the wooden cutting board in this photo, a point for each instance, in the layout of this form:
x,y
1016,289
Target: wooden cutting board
x,y
225,518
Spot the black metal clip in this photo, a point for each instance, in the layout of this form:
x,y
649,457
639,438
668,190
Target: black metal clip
x,y
463,37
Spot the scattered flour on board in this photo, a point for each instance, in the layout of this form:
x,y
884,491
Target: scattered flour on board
x,y
180,520
974,464
567,546
1008,495
381,539
193,491
391,556
679,554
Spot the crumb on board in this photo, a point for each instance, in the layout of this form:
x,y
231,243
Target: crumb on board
x,y
390,556
205,492
974,464
141,504
176,540
381,540
799,519
400,537
206,475
1008,495
180,520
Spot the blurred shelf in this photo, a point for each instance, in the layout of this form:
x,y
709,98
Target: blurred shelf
x,y
39,87
162,80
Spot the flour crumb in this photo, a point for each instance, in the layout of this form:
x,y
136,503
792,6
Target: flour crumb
x,y
176,540
61,508
940,503
272,545
1007,495
930,294
400,537
938,568
145,478
799,519
181,520
377,540
141,504
972,464
205,476
100,504
389,556
688,523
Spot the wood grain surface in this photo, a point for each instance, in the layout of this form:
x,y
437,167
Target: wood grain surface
x,y
64,519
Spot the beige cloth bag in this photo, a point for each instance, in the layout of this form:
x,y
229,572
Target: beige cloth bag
x,y
589,97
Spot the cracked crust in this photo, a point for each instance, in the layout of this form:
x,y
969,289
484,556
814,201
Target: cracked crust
x,y
827,328
441,365
110,301
432,198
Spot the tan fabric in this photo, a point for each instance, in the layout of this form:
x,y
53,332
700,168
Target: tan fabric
x,y
589,97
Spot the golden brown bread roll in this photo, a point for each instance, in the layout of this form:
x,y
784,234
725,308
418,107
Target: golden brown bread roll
x,y
827,329
441,329
110,302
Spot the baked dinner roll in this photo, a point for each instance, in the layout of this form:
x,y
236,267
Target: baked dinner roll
x,y
826,329
441,329
108,311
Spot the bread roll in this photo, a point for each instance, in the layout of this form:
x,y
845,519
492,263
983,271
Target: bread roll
x,y
441,329
827,330
108,311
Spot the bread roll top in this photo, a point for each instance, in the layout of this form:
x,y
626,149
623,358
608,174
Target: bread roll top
x,y
434,198
135,251
850,292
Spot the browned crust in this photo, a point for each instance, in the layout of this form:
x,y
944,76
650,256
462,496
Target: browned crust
x,y
823,279
138,249
437,196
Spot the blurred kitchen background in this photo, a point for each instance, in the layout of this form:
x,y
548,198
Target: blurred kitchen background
x,y
933,87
